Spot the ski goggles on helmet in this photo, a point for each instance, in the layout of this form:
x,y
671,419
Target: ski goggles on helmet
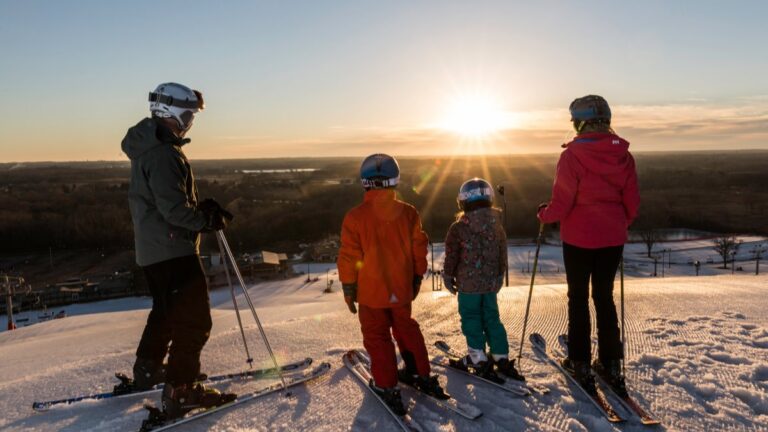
x,y
476,194
380,183
198,104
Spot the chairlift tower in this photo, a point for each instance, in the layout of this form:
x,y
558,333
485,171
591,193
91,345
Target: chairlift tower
x,y
9,292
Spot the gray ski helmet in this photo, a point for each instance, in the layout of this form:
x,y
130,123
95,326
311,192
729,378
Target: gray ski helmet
x,y
589,109
474,190
176,101
379,171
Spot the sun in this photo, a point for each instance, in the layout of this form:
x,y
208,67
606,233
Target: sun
x,y
474,116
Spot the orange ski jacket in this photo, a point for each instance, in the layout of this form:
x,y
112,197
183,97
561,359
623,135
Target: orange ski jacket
x,y
382,248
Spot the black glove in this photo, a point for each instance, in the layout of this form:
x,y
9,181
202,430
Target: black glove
x,y
350,296
216,216
450,284
416,285
211,205
214,221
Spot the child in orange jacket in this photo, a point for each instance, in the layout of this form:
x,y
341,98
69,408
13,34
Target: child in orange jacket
x,y
382,260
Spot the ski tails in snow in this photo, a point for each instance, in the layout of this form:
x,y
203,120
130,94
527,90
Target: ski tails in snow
x,y
598,398
627,401
156,423
357,363
124,388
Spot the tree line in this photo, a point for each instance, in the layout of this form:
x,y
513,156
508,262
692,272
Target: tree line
x,y
85,205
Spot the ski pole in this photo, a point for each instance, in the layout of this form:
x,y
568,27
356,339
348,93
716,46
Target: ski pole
x,y
249,359
223,239
623,329
530,292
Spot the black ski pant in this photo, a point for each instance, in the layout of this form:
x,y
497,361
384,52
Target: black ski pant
x,y
600,265
180,316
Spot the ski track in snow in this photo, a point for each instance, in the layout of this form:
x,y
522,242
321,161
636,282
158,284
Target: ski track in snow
x,y
697,357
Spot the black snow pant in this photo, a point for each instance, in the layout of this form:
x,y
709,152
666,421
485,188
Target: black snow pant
x,y
601,265
180,316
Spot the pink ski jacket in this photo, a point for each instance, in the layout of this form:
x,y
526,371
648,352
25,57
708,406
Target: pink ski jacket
x,y
595,195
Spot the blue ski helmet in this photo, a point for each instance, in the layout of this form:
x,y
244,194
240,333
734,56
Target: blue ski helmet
x,y
589,109
379,171
474,190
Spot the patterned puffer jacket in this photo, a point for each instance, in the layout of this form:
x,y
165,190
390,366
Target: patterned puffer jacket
x,y
476,251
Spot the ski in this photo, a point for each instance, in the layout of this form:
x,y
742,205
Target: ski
x,y
463,409
522,388
124,388
627,401
598,399
157,423
357,364
445,364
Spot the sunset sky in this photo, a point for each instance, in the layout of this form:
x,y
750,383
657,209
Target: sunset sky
x,y
333,78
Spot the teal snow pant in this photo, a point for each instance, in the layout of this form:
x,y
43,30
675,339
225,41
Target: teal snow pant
x,y
480,322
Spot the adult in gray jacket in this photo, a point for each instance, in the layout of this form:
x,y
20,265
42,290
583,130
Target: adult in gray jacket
x,y
167,221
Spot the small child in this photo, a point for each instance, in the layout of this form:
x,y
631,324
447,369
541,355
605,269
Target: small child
x,y
382,260
475,263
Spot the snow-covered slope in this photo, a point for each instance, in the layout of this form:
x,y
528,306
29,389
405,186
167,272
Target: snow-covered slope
x,y
697,355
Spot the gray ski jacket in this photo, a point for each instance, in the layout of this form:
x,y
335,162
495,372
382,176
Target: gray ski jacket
x,y
162,195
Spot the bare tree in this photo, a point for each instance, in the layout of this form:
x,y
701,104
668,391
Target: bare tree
x,y
650,237
725,246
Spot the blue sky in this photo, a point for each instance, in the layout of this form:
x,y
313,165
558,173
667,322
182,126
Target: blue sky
x,y
322,78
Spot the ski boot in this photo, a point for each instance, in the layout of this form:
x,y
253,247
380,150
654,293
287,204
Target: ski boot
x,y
391,397
581,372
425,384
477,363
506,367
181,399
146,374
610,371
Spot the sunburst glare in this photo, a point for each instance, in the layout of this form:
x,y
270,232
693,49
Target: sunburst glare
x,y
475,116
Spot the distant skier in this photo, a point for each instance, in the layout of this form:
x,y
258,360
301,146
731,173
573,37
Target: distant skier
x,y
475,264
167,221
382,260
595,197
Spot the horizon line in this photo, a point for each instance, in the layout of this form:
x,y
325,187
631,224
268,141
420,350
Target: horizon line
x,y
405,157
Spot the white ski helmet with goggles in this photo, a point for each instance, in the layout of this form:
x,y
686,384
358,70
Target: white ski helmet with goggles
x,y
173,100
379,171
474,190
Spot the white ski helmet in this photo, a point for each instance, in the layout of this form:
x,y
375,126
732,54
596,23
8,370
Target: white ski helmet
x,y
173,100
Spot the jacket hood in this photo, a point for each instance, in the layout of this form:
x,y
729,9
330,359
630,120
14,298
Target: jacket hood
x,y
380,195
481,219
146,135
600,152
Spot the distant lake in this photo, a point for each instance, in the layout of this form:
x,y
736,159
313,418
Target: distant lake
x,y
277,170
676,234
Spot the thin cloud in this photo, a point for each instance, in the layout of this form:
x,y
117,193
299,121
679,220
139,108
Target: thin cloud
x,y
683,126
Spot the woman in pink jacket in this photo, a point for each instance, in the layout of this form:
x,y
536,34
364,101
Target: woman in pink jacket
x,y
595,198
